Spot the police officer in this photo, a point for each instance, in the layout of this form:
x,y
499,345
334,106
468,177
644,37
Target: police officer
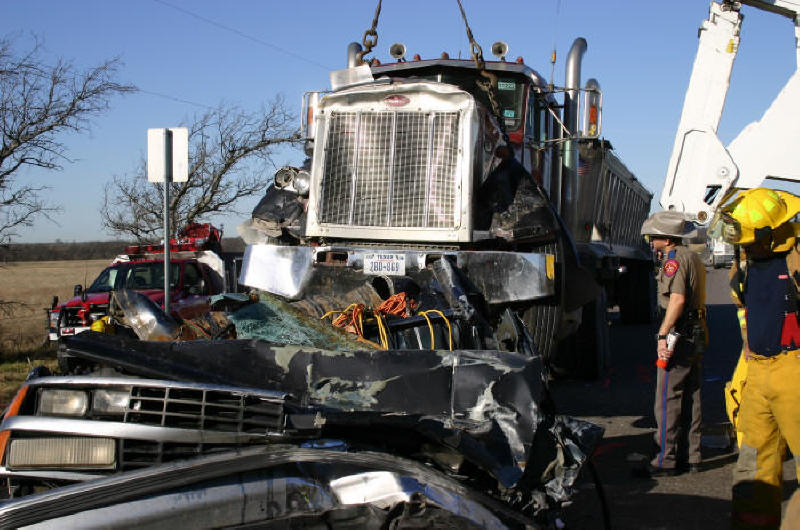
x,y
681,282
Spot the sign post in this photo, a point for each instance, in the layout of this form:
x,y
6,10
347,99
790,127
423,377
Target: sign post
x,y
167,162
167,182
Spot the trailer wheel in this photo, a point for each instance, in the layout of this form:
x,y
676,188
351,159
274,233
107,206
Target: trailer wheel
x,y
636,294
586,353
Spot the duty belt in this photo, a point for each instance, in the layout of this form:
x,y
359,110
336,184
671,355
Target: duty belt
x,y
696,314
691,316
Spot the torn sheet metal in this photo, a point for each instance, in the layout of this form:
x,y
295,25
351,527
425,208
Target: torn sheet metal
x,y
507,277
482,404
501,277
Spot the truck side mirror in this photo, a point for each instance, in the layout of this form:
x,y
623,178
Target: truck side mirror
x,y
55,302
198,288
77,290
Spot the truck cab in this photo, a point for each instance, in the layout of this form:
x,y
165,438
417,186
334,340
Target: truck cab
x,y
420,181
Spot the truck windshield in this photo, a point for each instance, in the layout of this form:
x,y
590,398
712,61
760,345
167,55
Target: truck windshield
x,y
134,276
104,282
510,90
149,276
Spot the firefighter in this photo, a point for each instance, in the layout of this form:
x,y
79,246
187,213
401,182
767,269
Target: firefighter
x,y
681,284
767,289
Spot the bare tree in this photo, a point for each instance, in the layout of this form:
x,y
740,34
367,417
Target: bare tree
x,y
230,151
38,103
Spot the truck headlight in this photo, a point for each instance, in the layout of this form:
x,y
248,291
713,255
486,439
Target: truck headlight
x,y
302,182
110,401
284,177
71,452
58,402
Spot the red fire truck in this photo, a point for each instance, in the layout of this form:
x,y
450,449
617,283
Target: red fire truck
x,y
197,270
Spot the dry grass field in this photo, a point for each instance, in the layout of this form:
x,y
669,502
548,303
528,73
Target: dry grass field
x,y
31,285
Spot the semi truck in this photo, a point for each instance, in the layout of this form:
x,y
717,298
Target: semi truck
x,y
503,209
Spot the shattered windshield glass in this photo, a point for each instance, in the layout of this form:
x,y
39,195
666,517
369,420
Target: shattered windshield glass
x,y
276,321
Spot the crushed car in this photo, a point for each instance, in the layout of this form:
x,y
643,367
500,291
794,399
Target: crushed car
x,y
317,423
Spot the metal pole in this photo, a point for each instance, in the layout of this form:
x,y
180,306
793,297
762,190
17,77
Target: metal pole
x,y
167,182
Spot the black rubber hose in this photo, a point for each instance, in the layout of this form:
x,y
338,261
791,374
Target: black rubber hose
x,y
601,494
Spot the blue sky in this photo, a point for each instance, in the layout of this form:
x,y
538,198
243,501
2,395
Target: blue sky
x,y
246,52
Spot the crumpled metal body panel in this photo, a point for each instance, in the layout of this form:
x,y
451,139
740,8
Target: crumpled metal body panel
x,y
502,277
481,403
481,406
507,277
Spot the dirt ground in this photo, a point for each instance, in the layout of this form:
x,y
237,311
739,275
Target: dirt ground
x,y
622,402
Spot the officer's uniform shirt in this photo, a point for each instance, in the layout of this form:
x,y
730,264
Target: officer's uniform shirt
x,y
682,272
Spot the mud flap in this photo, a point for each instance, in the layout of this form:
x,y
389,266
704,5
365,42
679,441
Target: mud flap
x,y
636,294
586,353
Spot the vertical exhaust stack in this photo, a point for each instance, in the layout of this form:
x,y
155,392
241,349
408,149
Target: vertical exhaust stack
x,y
352,54
569,193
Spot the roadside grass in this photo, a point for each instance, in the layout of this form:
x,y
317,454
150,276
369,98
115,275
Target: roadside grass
x,y
26,289
13,373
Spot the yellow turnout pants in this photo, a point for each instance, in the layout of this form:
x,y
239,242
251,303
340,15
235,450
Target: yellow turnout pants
x,y
769,413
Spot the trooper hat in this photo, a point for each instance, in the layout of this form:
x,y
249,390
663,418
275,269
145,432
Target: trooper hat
x,y
668,223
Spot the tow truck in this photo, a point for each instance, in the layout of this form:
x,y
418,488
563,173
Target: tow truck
x,y
702,172
198,270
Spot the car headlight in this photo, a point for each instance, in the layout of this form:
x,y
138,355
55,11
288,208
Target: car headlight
x,y
110,401
64,452
302,181
57,402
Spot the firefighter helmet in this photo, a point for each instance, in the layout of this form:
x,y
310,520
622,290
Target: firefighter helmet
x,y
755,214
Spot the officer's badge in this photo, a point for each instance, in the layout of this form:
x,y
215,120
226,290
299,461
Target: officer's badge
x,y
670,268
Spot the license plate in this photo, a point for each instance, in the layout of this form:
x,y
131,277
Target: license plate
x,y
385,264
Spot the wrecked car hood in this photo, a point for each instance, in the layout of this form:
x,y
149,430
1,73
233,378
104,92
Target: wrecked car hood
x,y
481,405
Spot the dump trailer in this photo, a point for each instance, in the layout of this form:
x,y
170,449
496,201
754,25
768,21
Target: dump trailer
x,y
496,209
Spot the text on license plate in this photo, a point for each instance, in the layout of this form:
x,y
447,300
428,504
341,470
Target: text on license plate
x,y
387,264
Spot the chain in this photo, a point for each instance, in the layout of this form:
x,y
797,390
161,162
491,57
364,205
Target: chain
x,y
370,39
489,84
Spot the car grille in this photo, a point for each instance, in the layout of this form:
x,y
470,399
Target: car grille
x,y
136,454
391,169
212,410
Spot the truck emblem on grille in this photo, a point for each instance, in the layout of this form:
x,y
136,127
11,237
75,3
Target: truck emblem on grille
x,y
396,100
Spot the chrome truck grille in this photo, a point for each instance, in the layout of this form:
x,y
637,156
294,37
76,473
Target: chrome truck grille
x,y
391,169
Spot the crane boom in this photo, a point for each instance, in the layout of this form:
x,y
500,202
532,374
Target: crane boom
x,y
701,170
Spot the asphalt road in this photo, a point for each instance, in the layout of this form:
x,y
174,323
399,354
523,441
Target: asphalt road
x,y
622,402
